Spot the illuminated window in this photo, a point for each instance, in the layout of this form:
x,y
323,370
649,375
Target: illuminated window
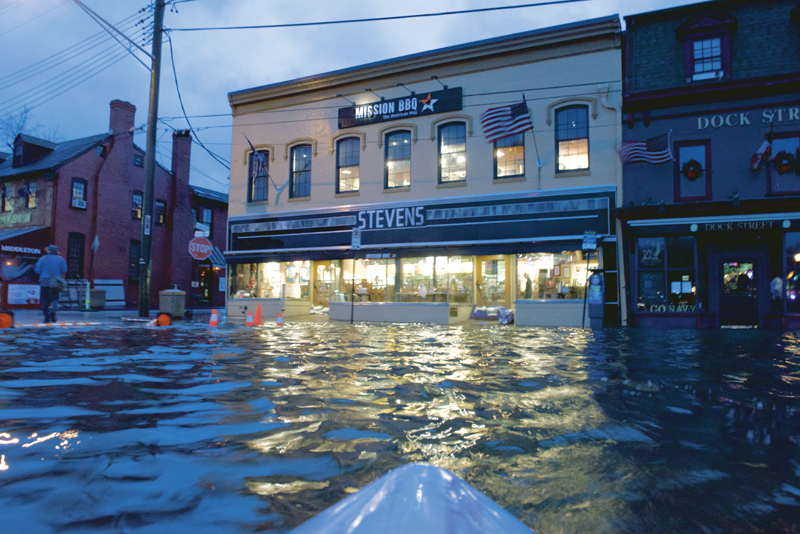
x,y
161,213
133,261
300,185
31,195
78,199
398,160
136,206
452,153
509,156
667,274
7,194
572,138
347,165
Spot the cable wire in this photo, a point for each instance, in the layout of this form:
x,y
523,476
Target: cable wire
x,y
376,19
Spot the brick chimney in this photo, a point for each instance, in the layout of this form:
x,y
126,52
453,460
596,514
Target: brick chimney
x,y
122,117
182,223
181,156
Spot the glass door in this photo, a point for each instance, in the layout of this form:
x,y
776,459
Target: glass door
x,y
739,297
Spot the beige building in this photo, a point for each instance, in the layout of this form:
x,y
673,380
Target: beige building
x,y
378,192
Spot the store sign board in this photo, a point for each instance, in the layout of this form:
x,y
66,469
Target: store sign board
x,y
407,107
23,294
746,118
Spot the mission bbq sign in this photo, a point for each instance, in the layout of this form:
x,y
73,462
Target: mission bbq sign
x,y
401,108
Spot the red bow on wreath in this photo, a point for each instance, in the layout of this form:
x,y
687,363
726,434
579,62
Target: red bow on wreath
x,y
784,162
692,170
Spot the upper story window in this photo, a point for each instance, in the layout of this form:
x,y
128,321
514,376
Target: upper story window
x,y
205,216
706,39
30,195
452,152
78,193
509,156
300,185
398,160
692,171
138,160
7,194
258,176
347,165
136,205
161,213
572,138
783,168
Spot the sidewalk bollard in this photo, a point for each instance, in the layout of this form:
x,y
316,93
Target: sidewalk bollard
x,y
249,321
280,318
214,319
257,318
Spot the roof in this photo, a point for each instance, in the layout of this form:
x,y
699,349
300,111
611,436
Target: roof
x,y
62,153
209,194
235,97
31,140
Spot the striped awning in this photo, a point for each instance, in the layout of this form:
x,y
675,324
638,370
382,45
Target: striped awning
x,y
217,258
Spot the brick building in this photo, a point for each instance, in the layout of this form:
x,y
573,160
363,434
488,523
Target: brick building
x,y
78,194
712,236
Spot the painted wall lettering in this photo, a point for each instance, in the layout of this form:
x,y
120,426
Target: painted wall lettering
x,y
743,118
391,218
731,226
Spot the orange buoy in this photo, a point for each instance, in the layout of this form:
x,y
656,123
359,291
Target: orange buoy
x,y
280,318
163,319
214,319
257,317
249,321
6,320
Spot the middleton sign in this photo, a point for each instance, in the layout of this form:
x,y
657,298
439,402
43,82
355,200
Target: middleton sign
x,y
401,108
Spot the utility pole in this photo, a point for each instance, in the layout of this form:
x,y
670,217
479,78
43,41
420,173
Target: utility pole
x,y
145,262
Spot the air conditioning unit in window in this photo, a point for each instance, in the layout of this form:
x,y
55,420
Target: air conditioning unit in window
x,y
79,203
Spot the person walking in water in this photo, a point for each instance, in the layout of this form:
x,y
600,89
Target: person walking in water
x,y
48,267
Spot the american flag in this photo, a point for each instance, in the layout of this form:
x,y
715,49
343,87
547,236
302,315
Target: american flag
x,y
259,165
654,150
505,121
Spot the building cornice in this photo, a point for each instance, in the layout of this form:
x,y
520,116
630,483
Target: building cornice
x,y
600,34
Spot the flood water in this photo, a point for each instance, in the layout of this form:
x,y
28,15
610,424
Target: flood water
x,y
247,430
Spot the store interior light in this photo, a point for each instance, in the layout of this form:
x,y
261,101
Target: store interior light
x,y
797,258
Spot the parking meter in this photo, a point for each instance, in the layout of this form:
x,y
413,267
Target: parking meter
x,y
596,300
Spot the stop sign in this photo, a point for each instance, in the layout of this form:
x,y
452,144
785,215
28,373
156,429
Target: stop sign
x,y
200,248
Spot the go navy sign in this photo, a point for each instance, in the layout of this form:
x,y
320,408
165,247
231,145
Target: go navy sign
x,y
401,108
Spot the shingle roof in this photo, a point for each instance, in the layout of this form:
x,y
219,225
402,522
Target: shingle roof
x,y
210,194
61,154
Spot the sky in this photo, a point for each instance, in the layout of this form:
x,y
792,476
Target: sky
x,y
64,69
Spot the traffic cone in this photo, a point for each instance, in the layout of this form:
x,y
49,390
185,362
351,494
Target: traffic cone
x,y
214,319
280,318
257,318
249,321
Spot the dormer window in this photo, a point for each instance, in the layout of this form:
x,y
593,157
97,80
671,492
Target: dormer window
x,y
707,40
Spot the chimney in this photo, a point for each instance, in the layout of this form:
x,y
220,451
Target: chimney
x,y
122,117
181,156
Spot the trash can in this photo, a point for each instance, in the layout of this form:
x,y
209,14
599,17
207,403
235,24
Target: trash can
x,y
173,302
97,298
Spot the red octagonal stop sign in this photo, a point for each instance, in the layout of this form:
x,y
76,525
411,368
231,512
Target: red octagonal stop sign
x,y
200,248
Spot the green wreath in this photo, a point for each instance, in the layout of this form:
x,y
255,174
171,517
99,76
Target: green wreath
x,y
692,170
784,162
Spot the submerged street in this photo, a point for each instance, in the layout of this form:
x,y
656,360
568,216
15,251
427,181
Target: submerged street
x,y
258,429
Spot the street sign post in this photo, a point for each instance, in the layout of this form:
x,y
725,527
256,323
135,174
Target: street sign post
x,y
200,248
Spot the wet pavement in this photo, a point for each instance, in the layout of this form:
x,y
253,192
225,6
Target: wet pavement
x,y
130,429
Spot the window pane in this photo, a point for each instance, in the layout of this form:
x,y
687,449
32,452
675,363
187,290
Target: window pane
x,y
75,245
682,291
793,272
552,276
572,138
136,208
348,165
301,171
652,286
692,185
510,156
707,55
398,159
788,181
651,252
259,168
133,260
161,212
452,152
681,252
32,194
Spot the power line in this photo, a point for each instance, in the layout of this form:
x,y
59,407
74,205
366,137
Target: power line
x,y
34,18
375,19
219,159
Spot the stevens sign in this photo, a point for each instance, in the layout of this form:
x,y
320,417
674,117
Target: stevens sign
x,y
401,108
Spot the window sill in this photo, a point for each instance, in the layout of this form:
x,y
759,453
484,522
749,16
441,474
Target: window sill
x,y
257,202
300,199
448,185
573,174
508,179
404,189
347,194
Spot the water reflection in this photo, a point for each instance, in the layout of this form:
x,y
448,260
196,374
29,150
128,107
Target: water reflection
x,y
260,429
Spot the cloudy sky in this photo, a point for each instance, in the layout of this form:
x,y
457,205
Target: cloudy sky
x,y
64,69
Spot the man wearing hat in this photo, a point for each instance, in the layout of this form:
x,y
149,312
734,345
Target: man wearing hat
x,y
49,266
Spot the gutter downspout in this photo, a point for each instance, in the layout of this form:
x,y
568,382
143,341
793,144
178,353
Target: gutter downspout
x,y
97,203
603,90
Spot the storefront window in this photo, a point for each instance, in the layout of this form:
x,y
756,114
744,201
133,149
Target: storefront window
x,y
265,280
553,276
493,281
792,273
667,279
326,285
